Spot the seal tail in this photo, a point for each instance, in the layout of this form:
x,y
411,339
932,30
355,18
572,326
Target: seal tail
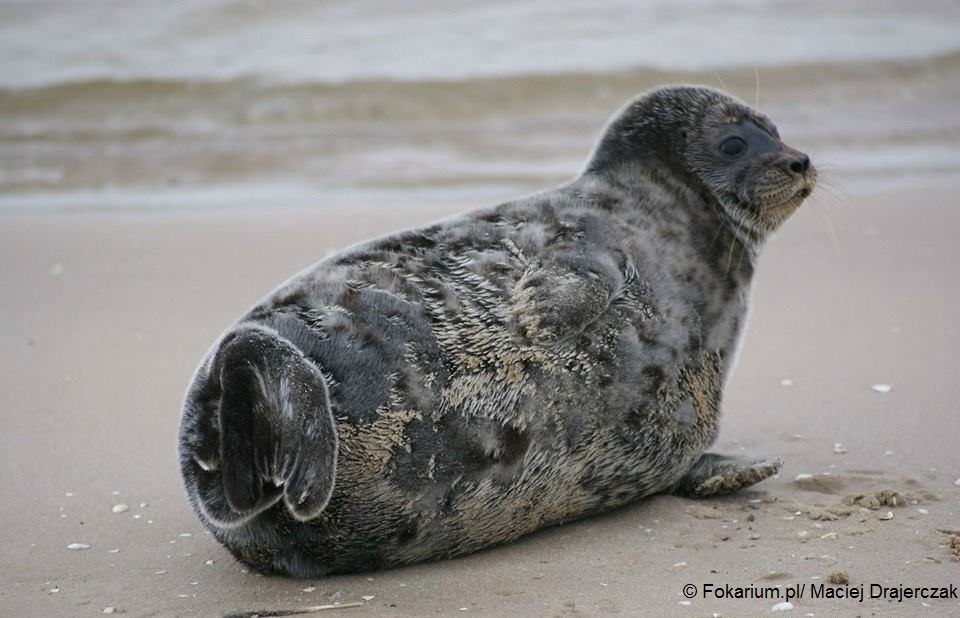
x,y
257,427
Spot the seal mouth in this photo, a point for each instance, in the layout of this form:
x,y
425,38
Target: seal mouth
x,y
788,199
781,208
767,198
805,190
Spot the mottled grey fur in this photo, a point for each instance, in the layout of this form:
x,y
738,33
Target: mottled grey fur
x,y
451,387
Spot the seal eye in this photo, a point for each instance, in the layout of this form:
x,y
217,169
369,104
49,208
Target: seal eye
x,y
733,147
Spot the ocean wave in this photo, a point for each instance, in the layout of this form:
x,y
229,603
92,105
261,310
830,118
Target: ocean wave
x,y
183,138
148,108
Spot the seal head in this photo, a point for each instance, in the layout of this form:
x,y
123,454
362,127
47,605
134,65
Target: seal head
x,y
706,138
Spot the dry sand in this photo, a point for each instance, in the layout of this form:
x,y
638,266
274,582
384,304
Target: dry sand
x,y
103,317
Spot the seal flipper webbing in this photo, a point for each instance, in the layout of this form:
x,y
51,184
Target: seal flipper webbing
x,y
276,428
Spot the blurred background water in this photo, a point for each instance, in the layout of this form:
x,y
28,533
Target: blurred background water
x,y
242,103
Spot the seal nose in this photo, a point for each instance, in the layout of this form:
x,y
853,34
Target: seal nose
x,y
795,162
800,165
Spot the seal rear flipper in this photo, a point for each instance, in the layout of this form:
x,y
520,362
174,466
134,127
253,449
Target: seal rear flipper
x,y
271,426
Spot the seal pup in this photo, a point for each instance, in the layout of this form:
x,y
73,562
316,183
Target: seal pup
x,y
455,386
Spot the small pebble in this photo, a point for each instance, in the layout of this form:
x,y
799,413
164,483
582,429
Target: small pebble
x,y
144,505
839,449
923,511
55,589
78,546
830,536
113,551
683,602
785,606
161,572
881,388
209,563
56,269
957,482
839,577
367,597
115,492
886,516
137,516
69,494
108,610
309,588
786,382
803,477
186,534
120,508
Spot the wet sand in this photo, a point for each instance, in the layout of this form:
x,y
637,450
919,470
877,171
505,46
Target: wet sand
x,y
103,317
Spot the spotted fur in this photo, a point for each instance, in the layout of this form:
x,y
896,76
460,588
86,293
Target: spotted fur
x,y
481,378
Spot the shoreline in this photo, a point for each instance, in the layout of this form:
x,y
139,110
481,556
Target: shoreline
x,y
306,200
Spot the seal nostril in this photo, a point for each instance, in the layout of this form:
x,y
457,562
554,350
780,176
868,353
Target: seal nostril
x,y
801,165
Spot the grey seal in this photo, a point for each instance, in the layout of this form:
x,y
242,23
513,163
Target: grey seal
x,y
455,386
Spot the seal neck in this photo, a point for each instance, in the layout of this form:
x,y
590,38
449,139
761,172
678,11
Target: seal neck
x,y
654,194
751,237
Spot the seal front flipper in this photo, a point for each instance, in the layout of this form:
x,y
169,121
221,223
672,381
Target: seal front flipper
x,y
714,475
256,428
562,293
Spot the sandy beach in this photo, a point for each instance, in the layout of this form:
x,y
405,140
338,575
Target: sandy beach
x,y
163,165
103,317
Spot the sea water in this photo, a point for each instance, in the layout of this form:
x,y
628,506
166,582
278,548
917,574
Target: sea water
x,y
224,103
